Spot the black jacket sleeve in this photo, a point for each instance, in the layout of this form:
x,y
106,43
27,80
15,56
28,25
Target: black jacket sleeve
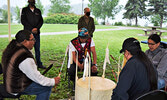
x,y
24,20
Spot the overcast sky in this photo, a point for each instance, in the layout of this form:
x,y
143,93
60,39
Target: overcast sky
x,y
22,3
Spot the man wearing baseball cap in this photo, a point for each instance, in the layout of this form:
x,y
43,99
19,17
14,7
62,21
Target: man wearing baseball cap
x,y
82,44
138,75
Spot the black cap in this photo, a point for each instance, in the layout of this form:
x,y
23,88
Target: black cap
x,y
130,44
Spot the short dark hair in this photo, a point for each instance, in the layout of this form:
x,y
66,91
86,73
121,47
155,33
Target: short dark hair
x,y
22,35
156,38
86,9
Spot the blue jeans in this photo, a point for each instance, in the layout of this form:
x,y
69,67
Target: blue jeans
x,y
42,92
161,83
37,49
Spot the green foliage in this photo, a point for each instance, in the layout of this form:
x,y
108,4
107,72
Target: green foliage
x,y
62,19
5,16
104,8
155,20
39,6
135,9
158,7
17,11
119,24
59,6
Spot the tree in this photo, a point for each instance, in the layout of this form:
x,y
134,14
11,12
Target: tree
x,y
4,14
40,6
158,7
17,11
135,9
104,9
59,6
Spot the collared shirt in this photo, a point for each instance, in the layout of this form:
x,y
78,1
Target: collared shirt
x,y
29,68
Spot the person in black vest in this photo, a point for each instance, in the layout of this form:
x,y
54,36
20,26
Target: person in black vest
x,y
87,22
32,20
82,44
138,75
20,72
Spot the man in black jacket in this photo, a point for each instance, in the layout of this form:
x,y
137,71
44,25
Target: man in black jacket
x,y
32,20
87,22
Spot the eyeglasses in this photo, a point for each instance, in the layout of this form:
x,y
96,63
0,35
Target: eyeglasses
x,y
33,39
151,44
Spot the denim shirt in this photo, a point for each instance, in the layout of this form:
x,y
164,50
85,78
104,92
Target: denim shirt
x,y
159,59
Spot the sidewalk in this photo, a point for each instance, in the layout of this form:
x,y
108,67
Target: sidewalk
x,y
71,32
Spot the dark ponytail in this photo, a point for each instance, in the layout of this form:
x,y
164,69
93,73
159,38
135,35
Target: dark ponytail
x,y
150,69
133,46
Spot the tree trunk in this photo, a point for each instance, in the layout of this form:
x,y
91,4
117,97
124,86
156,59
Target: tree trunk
x,y
136,21
104,20
161,21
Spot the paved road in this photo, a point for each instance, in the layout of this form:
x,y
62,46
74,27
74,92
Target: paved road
x,y
71,32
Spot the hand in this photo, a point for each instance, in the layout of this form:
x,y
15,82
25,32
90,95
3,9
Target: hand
x,y
57,80
94,68
35,30
81,66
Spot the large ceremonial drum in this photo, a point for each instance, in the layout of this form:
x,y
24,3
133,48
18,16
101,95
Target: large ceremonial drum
x,y
94,88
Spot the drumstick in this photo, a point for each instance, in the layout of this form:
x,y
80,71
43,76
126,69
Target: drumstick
x,y
63,61
113,72
47,69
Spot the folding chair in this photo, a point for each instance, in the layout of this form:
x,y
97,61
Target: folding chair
x,y
154,95
4,93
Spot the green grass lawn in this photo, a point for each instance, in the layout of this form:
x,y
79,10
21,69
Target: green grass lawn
x,y
53,48
46,28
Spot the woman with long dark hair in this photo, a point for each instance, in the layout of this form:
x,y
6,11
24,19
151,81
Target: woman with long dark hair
x,y
138,76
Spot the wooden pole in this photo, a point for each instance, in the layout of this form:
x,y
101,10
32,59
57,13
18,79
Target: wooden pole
x,y
9,21
82,7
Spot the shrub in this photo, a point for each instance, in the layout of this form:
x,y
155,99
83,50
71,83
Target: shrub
x,y
62,18
119,24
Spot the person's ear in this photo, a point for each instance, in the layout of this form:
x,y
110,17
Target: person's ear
x,y
158,43
126,53
24,42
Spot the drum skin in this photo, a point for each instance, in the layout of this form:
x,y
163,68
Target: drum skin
x,y
100,88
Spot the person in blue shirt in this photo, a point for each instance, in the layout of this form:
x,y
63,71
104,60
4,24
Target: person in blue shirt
x,y
138,75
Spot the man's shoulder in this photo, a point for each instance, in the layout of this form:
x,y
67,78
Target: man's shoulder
x,y
91,17
25,8
82,17
37,9
74,39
